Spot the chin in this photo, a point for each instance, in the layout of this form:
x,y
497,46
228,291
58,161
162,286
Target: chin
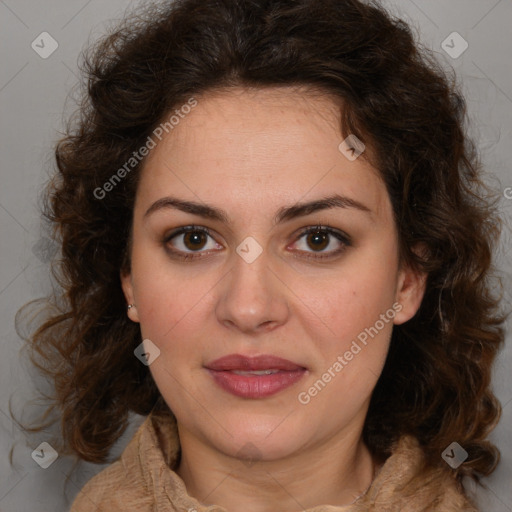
x,y
258,440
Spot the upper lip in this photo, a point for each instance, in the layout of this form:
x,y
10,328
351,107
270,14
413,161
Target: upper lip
x,y
245,363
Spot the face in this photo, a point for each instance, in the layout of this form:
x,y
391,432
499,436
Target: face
x,y
223,265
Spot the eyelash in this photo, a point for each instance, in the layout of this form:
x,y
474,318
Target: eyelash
x,y
326,229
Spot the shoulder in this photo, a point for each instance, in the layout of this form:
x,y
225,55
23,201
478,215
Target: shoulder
x,y
122,485
405,482
109,490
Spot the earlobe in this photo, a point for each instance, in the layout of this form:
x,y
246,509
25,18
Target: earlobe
x,y
127,285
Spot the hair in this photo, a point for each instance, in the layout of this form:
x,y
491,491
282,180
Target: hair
x,y
397,99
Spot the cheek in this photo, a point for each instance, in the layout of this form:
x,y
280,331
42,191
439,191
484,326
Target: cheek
x,y
168,297
169,310
355,332
352,351
350,301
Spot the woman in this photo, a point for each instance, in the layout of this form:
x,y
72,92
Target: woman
x,y
276,247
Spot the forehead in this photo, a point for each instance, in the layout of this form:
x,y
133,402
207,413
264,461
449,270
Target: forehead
x,y
275,115
246,143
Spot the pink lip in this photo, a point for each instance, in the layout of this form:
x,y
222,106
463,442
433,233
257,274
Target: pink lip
x,y
245,363
254,386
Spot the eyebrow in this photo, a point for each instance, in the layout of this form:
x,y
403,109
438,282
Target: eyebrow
x,y
283,214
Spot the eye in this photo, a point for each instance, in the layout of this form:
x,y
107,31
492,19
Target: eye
x,y
184,242
320,239
188,240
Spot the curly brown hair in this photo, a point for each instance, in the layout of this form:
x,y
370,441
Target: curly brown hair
x,y
397,99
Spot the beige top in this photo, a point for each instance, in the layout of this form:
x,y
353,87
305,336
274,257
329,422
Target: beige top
x,y
142,480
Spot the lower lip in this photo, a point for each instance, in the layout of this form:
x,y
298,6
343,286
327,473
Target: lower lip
x,y
256,386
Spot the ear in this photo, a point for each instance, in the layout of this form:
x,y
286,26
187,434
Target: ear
x,y
127,285
411,287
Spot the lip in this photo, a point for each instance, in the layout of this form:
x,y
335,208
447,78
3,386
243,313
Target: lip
x,y
254,386
246,363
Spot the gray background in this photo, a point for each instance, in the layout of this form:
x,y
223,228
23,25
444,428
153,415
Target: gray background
x,y
34,101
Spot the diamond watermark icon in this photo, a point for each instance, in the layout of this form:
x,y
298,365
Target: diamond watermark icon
x,y
44,249
454,455
44,45
454,45
249,249
147,352
352,147
249,454
45,455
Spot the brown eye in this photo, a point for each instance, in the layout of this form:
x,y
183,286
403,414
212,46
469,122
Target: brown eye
x,y
194,240
318,241
185,242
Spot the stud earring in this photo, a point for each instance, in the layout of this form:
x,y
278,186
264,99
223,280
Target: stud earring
x,y
130,306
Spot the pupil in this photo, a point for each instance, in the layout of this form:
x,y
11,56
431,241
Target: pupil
x,y
194,237
319,238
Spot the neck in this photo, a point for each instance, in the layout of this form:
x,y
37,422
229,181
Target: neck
x,y
336,473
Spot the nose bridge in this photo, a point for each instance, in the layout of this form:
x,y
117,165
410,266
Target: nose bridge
x,y
251,298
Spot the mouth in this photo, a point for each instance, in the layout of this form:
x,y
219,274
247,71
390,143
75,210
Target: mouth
x,y
254,377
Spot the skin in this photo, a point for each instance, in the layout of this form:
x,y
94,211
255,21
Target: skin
x,y
252,152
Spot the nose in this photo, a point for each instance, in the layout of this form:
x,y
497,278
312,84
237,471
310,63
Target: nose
x,y
252,297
